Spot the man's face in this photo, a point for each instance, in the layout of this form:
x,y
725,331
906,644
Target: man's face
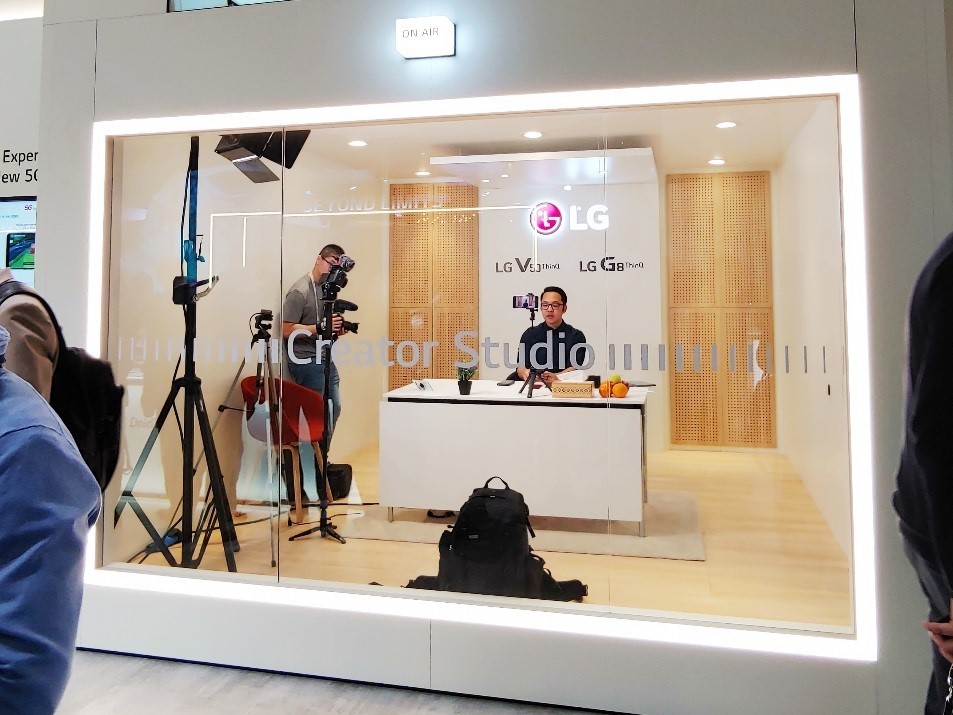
x,y
325,263
552,306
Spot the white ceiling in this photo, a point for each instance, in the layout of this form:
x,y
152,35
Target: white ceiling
x,y
681,138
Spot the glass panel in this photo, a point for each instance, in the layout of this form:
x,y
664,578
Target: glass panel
x,y
716,487
182,5
191,257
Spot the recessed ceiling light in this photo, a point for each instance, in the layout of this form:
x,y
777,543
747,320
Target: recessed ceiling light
x,y
726,125
485,181
532,135
504,176
352,188
716,162
423,173
357,142
567,187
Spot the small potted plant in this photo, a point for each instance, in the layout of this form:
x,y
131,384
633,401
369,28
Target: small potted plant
x,y
464,377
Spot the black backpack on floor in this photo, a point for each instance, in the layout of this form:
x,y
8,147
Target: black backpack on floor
x,y
85,395
487,551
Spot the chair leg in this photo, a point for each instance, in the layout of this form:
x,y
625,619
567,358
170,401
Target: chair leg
x,y
291,465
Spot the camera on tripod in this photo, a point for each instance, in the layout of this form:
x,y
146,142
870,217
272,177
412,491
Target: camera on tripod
x,y
263,320
338,307
336,280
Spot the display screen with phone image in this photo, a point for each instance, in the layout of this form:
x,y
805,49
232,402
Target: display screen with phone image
x,y
18,233
20,250
528,301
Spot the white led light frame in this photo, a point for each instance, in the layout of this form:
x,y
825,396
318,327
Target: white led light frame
x,y
862,647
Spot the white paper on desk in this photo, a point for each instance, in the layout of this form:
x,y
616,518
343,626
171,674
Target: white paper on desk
x,y
573,376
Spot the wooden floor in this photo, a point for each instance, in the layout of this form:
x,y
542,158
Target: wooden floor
x,y
770,556
109,684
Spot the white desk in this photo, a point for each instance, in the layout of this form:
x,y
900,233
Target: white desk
x,y
579,458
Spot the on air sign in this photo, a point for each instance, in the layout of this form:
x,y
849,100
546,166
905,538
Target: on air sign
x,y
426,37
546,218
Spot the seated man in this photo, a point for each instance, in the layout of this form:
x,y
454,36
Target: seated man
x,y
552,346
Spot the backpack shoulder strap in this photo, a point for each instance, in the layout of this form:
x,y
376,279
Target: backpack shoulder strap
x,y
8,289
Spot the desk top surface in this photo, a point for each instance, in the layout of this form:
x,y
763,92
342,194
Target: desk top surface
x,y
488,392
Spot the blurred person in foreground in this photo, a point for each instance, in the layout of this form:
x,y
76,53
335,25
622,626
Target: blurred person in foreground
x,y
49,501
924,496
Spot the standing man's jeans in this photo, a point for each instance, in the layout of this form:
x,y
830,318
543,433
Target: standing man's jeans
x,y
934,588
311,375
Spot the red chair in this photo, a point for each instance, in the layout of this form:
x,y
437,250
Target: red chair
x,y
302,420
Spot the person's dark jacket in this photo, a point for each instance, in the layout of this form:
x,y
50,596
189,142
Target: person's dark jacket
x,y
923,499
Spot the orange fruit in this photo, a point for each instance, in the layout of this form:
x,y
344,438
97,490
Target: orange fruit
x,y
620,389
604,389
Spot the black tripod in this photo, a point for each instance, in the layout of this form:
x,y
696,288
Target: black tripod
x,y
530,381
217,514
324,528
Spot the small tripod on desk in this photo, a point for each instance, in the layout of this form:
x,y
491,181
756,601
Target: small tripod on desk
x,y
530,381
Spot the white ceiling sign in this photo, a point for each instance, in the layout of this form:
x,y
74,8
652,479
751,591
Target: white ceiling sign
x,y
426,37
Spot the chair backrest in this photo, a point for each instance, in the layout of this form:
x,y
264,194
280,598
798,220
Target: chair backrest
x,y
302,411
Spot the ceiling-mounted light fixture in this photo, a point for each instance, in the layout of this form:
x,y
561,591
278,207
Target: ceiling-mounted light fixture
x,y
726,125
246,151
423,173
357,142
532,135
716,162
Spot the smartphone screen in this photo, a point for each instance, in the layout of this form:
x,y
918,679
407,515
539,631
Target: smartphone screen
x,y
526,301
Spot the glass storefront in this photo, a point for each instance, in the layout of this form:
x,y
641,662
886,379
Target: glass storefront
x,y
693,461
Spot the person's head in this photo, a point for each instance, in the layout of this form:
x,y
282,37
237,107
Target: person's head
x,y
327,258
552,304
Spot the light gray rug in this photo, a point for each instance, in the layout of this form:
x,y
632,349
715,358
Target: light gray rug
x,y
671,530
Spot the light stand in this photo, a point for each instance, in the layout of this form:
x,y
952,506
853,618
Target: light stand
x,y
194,537
325,528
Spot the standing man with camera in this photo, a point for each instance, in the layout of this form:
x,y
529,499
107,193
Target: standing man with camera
x,y
302,316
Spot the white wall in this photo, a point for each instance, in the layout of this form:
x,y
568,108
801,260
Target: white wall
x,y
20,54
618,307
191,63
809,312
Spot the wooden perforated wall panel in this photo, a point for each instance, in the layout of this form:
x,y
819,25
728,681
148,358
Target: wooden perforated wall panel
x,y
410,284
413,324
693,382
691,230
434,273
447,324
454,242
746,239
720,310
749,394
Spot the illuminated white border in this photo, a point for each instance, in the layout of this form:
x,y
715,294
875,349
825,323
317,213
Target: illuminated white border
x,y
845,87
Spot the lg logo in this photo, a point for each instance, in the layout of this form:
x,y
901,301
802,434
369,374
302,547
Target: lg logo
x,y
546,218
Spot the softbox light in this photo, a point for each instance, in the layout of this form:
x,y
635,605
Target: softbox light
x,y
246,151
